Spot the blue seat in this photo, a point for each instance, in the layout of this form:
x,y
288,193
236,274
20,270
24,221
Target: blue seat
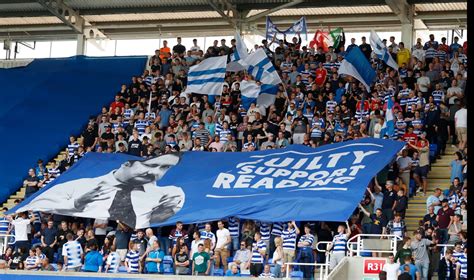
x,y
295,274
218,272
168,265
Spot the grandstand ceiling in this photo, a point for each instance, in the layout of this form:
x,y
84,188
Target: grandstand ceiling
x,y
115,19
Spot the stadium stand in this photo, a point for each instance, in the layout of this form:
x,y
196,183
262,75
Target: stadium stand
x,y
432,122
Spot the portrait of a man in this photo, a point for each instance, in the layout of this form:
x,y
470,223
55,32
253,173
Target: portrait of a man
x,y
129,194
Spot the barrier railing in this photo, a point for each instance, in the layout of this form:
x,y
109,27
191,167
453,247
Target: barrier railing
x,y
323,269
359,239
4,242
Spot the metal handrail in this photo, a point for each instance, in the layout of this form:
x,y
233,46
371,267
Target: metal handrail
x,y
322,242
358,237
5,241
323,266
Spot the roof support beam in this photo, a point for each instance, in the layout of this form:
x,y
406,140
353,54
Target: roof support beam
x,y
71,18
224,7
272,10
402,9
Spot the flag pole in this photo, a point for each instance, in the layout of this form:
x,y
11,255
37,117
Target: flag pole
x,y
149,106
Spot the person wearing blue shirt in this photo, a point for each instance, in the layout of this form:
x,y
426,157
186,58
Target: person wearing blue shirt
x,y
413,270
153,262
93,260
233,271
340,92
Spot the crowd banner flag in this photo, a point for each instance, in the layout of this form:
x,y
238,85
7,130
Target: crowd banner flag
x,y
388,128
269,185
208,76
326,39
356,65
262,70
299,27
250,91
271,29
238,56
381,50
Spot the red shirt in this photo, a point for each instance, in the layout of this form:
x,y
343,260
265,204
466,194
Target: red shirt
x,y
321,74
116,104
444,217
366,105
410,138
464,47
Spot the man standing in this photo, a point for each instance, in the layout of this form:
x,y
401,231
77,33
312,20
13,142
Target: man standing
x,y
222,245
419,247
460,123
177,233
392,268
339,245
365,48
21,224
73,254
289,241
444,219
201,262
208,234
100,226
49,240
389,199
259,250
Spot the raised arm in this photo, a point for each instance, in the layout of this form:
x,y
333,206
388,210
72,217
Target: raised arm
x,y
364,211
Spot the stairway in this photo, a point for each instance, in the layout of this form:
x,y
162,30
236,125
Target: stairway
x,y
20,194
438,177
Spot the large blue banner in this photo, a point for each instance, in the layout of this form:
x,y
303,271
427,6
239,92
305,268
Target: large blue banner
x,y
296,183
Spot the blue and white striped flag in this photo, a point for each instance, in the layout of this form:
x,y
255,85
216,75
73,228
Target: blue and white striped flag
x,y
208,76
237,57
249,92
388,127
262,69
381,50
356,65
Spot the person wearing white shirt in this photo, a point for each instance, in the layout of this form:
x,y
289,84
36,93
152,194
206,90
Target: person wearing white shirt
x,y
460,122
20,226
222,245
111,196
100,230
423,83
73,254
392,268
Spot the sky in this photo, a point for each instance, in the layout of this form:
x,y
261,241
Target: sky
x,y
45,49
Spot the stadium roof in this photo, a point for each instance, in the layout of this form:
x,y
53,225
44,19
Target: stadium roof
x,y
43,19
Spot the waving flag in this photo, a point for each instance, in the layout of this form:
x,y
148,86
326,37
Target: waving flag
x,y
297,27
249,91
381,50
269,185
272,29
208,76
356,65
240,53
327,39
261,68
388,127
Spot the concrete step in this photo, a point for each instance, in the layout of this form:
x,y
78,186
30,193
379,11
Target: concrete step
x,y
440,170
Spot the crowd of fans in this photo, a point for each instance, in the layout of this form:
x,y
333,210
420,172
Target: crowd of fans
x,y
151,116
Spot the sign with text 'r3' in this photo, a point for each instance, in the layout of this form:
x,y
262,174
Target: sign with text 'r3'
x,y
373,266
